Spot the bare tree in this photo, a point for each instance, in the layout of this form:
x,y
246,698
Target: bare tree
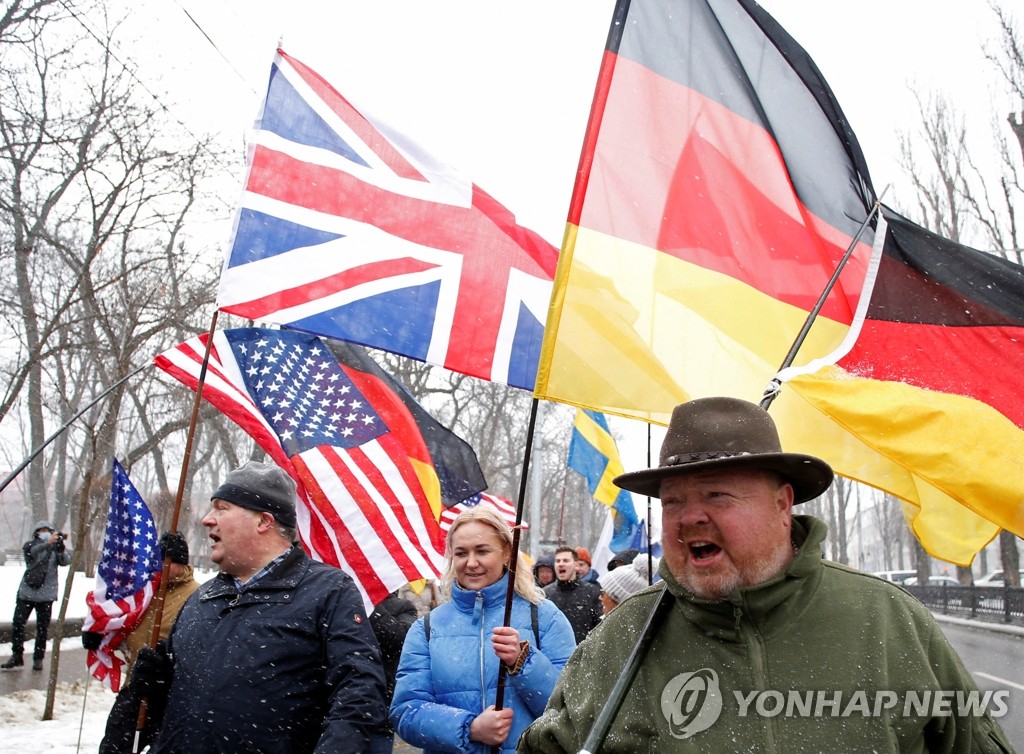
x,y
96,185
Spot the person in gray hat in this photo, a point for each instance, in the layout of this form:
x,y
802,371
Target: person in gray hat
x,y
753,642
275,654
37,592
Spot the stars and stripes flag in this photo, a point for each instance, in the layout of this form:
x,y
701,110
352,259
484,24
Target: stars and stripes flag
x,y
350,230
127,577
505,507
362,505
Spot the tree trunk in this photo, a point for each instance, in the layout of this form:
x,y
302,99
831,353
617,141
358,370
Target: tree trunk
x,y
1010,557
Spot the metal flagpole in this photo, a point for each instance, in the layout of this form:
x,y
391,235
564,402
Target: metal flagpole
x,y
42,446
618,693
499,700
158,608
773,388
650,557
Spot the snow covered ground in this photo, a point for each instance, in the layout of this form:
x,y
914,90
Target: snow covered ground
x,y
79,715
80,709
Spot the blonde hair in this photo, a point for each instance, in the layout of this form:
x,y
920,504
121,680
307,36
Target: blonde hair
x,y
483,513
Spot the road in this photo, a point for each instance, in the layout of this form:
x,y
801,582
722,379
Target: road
x,y
996,661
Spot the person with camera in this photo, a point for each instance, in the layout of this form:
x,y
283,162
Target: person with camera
x,y
37,591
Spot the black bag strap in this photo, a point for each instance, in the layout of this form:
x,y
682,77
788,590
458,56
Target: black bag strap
x,y
533,619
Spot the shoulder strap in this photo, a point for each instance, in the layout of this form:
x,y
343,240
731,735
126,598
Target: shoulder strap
x,y
426,626
533,618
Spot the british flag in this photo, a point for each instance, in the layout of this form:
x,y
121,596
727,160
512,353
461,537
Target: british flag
x,y
127,577
350,230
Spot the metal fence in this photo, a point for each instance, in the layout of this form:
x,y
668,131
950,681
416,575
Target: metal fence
x,y
994,603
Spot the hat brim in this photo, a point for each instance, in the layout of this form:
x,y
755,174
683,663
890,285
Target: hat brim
x,y
809,476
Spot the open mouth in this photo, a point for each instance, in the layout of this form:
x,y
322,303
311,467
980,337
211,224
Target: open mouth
x,y
703,551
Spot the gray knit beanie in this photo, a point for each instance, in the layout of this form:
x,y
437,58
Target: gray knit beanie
x,y
627,579
261,487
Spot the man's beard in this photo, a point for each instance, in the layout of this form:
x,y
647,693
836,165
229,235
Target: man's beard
x,y
729,577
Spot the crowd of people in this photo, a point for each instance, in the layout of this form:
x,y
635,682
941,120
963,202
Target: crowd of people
x,y
278,654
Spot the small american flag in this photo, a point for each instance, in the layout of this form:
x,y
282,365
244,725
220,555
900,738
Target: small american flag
x,y
504,506
126,578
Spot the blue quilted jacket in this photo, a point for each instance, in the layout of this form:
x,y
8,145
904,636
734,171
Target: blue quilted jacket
x,y
445,683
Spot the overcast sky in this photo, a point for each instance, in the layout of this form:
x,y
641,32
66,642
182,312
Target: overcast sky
x,y
501,90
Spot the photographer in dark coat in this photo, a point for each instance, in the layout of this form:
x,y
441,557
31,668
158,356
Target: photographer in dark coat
x,y
37,591
275,654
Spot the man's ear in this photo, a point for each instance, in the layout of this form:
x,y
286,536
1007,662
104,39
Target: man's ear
x,y
784,498
266,522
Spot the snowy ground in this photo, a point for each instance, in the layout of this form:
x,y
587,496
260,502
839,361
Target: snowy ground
x,y
80,710
79,715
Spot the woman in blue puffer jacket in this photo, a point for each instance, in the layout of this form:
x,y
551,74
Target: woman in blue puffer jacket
x,y
447,681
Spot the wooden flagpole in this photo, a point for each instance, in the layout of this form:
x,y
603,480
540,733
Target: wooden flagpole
x,y
161,595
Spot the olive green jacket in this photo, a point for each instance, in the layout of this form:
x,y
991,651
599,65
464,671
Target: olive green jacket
x,y
823,658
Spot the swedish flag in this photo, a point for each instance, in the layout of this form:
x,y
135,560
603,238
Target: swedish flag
x,y
593,454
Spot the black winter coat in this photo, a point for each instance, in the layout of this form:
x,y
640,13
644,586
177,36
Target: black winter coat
x,y
391,621
290,665
581,603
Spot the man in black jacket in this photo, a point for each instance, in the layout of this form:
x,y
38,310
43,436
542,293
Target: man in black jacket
x,y
580,601
276,653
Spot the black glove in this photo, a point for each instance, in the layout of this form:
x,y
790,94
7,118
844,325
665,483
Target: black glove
x,y
153,669
91,639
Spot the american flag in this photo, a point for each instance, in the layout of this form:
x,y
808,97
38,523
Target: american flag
x,y
363,506
126,579
350,230
504,506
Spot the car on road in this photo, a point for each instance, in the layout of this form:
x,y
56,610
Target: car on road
x,y
934,581
995,578
899,577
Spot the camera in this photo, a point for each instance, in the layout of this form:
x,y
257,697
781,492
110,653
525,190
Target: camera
x,y
61,536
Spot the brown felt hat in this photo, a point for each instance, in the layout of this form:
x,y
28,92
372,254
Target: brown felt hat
x,y
709,434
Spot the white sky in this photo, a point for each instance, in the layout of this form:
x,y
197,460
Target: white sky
x,y
501,90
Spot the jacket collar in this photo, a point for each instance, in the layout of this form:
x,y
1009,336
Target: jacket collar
x,y
466,599
771,606
285,575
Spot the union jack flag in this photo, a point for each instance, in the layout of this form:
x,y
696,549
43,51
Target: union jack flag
x,y
504,506
350,230
360,483
127,577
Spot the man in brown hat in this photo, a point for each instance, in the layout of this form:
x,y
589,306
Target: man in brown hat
x,y
756,642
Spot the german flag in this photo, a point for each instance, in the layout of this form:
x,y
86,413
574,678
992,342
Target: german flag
x,y
927,402
719,188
